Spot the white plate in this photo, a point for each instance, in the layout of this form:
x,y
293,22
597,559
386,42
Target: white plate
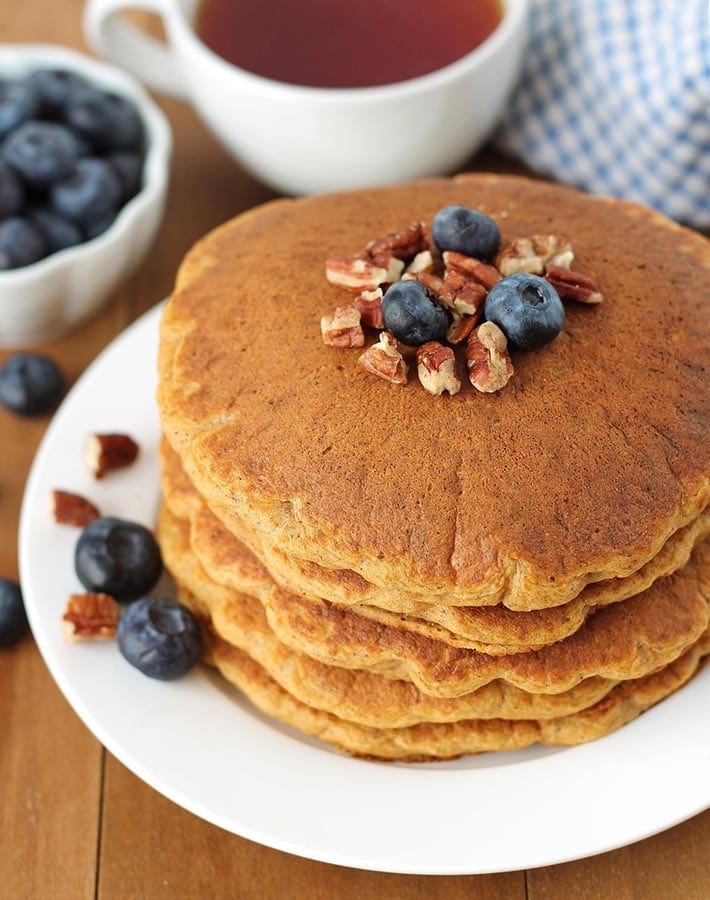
x,y
199,743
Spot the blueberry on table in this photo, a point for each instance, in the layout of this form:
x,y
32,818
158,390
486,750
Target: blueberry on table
x,y
21,244
117,557
55,88
30,384
466,231
91,192
413,314
12,192
159,637
19,102
13,619
527,309
108,121
129,168
57,232
41,152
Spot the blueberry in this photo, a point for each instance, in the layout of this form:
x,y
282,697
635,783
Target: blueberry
x,y
30,384
58,233
107,120
55,88
413,314
21,244
91,192
12,192
42,152
129,168
159,637
19,102
466,231
117,557
98,226
13,620
527,308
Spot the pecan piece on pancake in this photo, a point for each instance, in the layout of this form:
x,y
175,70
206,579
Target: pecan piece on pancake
x,y
404,245
573,285
356,273
461,326
90,617
385,360
533,254
343,328
369,303
475,270
489,364
436,367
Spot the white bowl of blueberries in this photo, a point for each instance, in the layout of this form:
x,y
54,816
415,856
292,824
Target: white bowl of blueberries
x,y
84,165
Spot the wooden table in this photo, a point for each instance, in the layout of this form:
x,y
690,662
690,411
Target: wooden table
x,y
74,823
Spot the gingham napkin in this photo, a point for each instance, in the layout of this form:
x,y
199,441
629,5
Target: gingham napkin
x,y
614,97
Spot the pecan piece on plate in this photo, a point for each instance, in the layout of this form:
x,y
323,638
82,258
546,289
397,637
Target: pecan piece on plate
x,y
72,509
90,617
107,452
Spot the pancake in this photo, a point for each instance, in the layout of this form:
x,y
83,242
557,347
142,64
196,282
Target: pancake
x,y
492,630
578,472
623,641
447,740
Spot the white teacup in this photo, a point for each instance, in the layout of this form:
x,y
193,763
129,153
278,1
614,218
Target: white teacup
x,y
304,140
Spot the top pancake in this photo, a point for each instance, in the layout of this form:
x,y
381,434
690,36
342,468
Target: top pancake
x,y
578,471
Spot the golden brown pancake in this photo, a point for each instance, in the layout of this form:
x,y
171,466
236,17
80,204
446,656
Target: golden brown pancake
x,y
577,472
623,641
437,740
491,630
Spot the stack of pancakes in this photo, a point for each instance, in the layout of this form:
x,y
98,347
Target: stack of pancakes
x,y
409,576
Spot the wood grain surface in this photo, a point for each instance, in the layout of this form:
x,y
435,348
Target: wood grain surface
x,y
74,823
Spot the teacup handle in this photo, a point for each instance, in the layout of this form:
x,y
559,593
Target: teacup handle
x,y
127,46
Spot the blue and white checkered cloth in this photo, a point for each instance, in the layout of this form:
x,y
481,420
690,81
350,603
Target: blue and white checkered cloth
x,y
614,97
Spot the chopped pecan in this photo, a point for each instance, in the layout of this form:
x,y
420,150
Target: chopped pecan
x,y
436,367
384,360
72,509
462,326
356,273
343,328
472,268
430,281
489,364
90,617
106,452
533,254
422,262
404,245
369,303
462,294
573,285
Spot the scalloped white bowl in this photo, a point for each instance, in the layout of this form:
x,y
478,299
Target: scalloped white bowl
x,y
42,301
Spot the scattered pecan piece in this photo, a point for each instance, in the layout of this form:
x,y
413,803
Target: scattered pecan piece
x,y
384,360
90,617
422,262
472,268
355,273
72,509
106,452
343,328
573,285
489,364
436,367
533,254
430,281
369,303
462,294
404,245
462,326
